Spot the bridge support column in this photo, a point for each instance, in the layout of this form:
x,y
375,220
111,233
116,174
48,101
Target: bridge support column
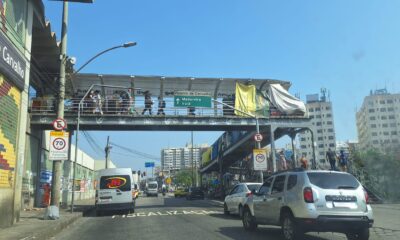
x,y
313,160
293,136
272,138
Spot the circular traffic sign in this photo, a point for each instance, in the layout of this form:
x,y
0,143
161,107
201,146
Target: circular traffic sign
x,y
258,137
59,143
59,124
260,158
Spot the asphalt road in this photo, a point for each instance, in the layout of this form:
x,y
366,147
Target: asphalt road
x,y
170,218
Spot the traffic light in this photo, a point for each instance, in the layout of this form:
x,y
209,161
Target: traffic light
x,y
144,174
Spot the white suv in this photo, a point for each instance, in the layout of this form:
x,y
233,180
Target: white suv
x,y
305,201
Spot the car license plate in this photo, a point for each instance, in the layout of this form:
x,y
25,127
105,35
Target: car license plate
x,y
343,204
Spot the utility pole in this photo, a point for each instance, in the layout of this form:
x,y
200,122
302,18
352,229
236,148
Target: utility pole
x,y
56,181
107,150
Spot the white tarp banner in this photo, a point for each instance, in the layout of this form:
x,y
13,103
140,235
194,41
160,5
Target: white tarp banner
x,y
285,102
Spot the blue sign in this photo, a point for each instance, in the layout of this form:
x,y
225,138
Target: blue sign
x,y
149,164
46,176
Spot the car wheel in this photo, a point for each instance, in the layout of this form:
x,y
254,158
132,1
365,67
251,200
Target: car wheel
x,y
362,234
249,223
289,228
226,211
240,211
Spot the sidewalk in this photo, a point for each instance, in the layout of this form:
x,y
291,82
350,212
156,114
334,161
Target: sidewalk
x,y
32,225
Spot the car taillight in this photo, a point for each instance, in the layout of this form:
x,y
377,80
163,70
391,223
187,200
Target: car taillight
x,y
308,195
366,196
249,194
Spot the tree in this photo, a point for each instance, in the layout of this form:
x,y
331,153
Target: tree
x,y
183,177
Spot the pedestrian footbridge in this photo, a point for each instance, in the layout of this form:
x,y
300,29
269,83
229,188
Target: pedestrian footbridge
x,y
123,102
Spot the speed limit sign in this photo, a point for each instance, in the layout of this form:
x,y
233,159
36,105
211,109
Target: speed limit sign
x,y
58,146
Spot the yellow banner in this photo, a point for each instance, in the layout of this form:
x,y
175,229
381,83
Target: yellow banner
x,y
58,134
245,99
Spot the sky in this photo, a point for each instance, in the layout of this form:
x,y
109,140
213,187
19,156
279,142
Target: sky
x,y
347,47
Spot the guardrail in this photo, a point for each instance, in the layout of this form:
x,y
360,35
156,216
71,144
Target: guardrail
x,y
137,107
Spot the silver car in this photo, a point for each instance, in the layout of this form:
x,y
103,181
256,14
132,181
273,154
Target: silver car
x,y
234,202
305,201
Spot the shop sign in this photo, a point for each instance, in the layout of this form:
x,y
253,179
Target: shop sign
x,y
11,63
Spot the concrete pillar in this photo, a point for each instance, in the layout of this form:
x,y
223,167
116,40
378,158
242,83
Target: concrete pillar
x,y
272,138
313,162
23,116
293,137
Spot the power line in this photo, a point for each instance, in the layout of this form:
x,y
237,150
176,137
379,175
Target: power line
x,y
135,152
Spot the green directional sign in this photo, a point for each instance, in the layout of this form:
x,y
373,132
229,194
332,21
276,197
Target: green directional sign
x,y
192,101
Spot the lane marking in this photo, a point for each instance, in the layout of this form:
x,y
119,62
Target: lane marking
x,y
168,213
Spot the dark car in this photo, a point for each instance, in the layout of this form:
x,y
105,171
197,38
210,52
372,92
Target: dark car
x,y
195,193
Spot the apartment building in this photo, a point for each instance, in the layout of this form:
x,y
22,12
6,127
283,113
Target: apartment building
x,y
378,121
320,112
180,158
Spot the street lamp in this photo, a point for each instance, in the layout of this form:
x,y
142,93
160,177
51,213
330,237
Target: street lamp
x,y
125,45
258,144
77,133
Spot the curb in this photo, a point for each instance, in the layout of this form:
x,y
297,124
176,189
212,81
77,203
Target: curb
x,y
56,226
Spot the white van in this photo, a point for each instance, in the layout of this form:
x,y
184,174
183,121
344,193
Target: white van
x,y
152,188
114,190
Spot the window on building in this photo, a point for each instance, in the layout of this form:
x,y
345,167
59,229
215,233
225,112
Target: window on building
x,y
331,137
319,123
321,153
303,146
384,117
331,145
395,141
330,130
390,109
382,101
382,109
391,117
321,146
302,139
372,118
373,125
328,108
319,131
393,132
317,109
389,101
386,133
328,115
393,125
385,125
375,142
329,122
371,110
311,110
320,139
318,116
374,134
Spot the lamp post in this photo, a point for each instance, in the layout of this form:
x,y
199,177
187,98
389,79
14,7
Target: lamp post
x,y
77,133
258,144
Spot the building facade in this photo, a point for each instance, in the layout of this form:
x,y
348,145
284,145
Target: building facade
x,y
181,158
378,121
321,114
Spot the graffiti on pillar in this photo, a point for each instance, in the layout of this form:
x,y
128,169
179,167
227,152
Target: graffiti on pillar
x,y
9,113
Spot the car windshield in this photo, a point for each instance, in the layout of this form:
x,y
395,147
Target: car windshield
x,y
332,180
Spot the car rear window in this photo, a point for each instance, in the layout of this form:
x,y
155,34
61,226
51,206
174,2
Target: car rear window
x,y
121,182
332,180
152,185
253,187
